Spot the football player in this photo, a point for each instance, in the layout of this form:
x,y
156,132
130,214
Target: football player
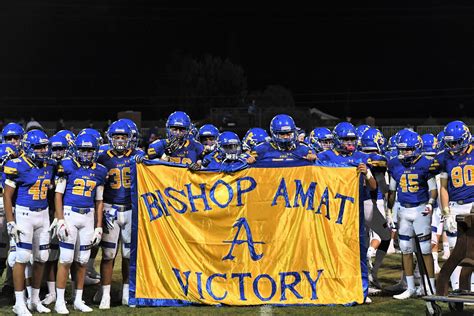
x,y
13,133
412,180
228,157
29,177
117,207
78,203
321,139
254,137
457,186
207,136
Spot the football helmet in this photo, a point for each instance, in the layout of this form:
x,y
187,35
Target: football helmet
x,y
253,137
440,141
430,144
283,131
12,133
35,145
135,132
372,140
7,151
86,148
119,128
321,138
178,126
229,146
93,132
59,146
345,137
409,146
207,136
456,137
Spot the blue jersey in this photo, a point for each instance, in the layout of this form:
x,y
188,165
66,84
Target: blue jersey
x,y
460,170
103,148
332,156
269,152
412,179
32,181
188,153
81,182
214,162
391,154
117,186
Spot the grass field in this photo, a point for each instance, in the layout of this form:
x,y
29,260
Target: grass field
x,y
383,304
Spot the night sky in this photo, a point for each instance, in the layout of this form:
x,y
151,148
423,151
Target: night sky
x,y
349,59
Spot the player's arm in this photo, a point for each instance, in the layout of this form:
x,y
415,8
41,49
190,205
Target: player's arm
x,y
443,192
369,178
391,193
8,192
99,205
58,198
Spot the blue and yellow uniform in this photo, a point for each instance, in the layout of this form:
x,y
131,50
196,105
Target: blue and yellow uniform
x,y
269,153
334,157
31,183
215,162
188,153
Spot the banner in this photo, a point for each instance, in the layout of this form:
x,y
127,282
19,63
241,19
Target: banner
x,y
279,236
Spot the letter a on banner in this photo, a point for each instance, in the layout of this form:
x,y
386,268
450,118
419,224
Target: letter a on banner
x,y
242,222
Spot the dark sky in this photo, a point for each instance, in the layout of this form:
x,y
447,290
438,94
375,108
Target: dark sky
x,y
380,59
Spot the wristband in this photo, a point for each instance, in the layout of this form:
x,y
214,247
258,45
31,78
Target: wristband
x,y
368,175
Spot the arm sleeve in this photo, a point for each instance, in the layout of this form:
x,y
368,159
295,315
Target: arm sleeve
x,y
443,175
61,185
432,184
99,194
393,184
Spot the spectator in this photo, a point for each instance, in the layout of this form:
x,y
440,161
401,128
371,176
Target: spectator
x,y
33,124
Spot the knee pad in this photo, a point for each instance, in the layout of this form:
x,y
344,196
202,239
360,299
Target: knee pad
x,y
23,255
66,256
11,259
425,247
109,250
83,257
406,246
42,256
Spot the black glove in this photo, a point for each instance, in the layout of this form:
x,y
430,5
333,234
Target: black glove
x,y
172,145
194,166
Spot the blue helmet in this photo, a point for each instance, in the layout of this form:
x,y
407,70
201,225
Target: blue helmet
x,y
208,131
440,141
86,149
180,120
456,136
372,140
13,130
33,142
135,132
229,145
430,144
253,137
321,138
7,151
70,138
409,145
119,127
283,124
392,143
193,132
92,132
345,137
59,146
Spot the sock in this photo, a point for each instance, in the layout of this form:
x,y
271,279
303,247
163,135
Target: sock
x,y
29,290
371,252
60,296
51,287
19,298
35,295
411,282
106,290
454,278
435,256
78,297
446,247
125,289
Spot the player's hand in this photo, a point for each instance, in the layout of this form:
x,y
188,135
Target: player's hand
x,y
195,166
310,157
251,160
53,228
97,236
428,210
362,168
13,231
138,158
62,230
172,145
450,223
110,216
389,219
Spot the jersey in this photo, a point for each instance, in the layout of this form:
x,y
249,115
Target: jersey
x,y
81,182
103,148
188,153
214,162
412,179
32,181
269,152
117,186
332,156
460,170
391,154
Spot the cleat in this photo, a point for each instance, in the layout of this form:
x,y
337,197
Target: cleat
x,y
90,281
61,308
105,302
49,299
38,307
125,298
405,295
82,307
367,300
374,291
21,310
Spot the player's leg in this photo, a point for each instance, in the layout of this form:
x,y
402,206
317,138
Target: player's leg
x,y
422,227
126,238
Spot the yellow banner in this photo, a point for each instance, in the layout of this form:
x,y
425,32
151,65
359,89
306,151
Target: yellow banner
x,y
259,236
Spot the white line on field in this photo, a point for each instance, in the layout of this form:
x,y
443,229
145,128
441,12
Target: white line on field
x,y
266,310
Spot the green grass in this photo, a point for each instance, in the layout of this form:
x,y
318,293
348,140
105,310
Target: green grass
x,y
383,304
